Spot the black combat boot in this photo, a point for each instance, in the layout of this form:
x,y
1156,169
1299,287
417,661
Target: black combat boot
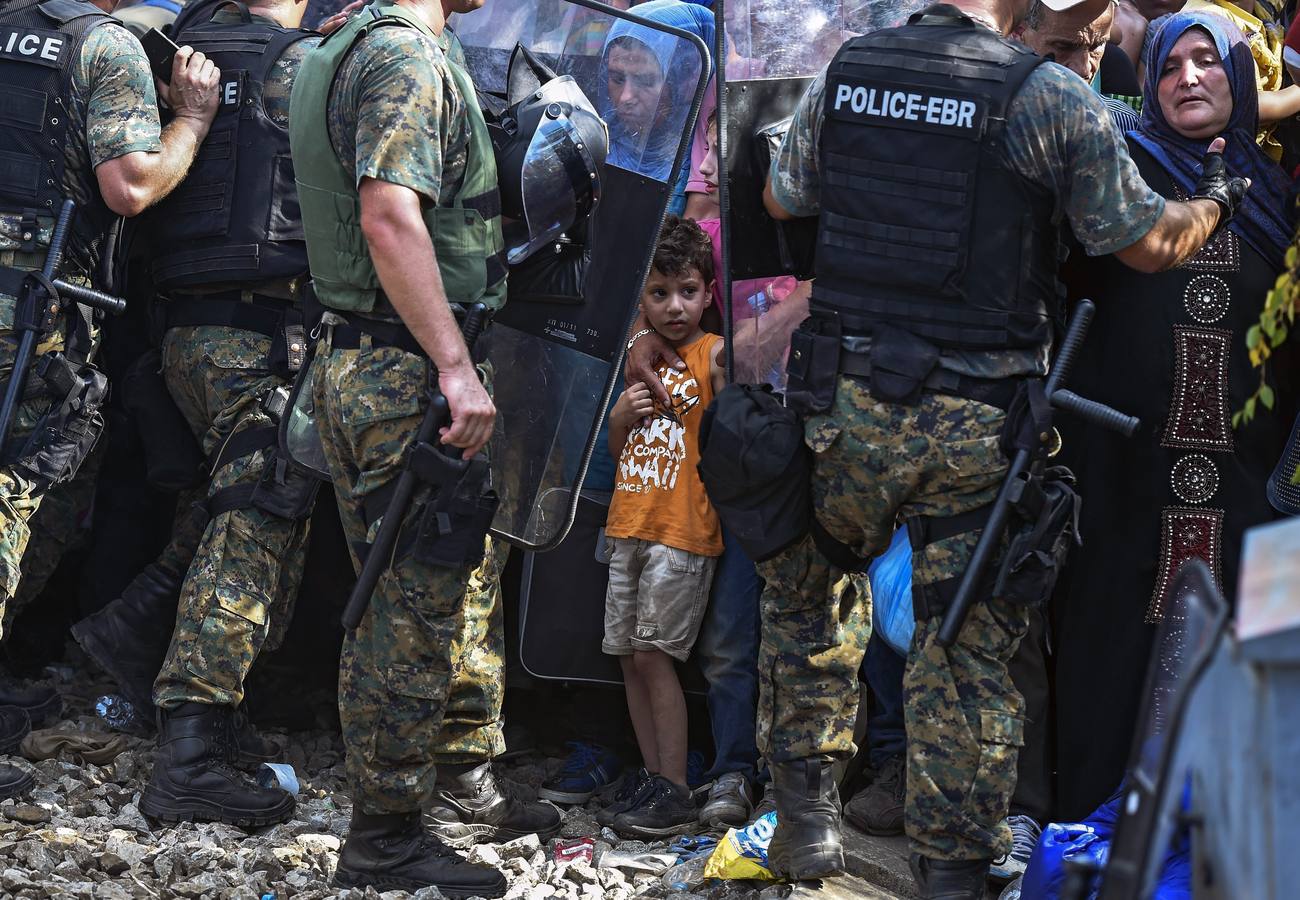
x,y
14,726
469,808
941,879
393,852
248,748
806,843
40,701
194,781
129,637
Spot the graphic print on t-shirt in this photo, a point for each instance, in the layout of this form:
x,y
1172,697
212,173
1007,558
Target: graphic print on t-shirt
x,y
653,455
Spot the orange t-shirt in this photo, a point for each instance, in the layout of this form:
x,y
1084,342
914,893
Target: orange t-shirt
x,y
658,495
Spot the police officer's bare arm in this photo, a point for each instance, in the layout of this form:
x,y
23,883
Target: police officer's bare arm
x,y
402,251
135,181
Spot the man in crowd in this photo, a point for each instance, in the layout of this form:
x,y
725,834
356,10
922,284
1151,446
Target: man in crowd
x,y
398,187
932,353
106,151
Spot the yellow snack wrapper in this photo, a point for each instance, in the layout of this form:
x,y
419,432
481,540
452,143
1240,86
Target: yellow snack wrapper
x,y
742,854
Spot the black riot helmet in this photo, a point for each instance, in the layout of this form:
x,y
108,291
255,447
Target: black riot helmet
x,y
550,147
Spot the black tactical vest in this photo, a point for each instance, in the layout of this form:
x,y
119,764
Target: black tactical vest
x,y
922,225
40,43
234,219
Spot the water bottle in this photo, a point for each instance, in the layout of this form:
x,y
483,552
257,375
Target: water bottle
x,y
116,711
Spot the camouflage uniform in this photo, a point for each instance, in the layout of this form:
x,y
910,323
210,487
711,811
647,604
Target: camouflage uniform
x,y
396,115
877,463
112,111
238,595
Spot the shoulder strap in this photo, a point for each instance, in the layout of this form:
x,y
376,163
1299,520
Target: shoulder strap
x,y
64,11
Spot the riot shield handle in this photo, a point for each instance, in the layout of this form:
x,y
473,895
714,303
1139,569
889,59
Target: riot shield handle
x,y
379,556
1060,398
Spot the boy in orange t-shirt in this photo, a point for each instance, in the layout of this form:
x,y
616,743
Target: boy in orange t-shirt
x,y
666,537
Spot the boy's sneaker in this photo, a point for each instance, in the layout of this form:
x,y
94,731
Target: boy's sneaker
x,y
1025,833
729,802
588,768
624,795
664,809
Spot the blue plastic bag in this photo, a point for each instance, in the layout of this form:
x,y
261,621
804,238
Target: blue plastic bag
x,y
891,594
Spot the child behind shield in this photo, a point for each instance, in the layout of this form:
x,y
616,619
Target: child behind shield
x,y
666,537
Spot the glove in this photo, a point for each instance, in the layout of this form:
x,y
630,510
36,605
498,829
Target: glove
x,y
1217,185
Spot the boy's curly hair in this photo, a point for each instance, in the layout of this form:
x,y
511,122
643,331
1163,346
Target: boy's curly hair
x,y
683,246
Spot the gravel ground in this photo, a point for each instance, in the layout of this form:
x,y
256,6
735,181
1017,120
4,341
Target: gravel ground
x,y
80,834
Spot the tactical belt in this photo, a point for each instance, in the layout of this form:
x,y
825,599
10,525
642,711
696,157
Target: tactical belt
x,y
229,309
997,392
383,333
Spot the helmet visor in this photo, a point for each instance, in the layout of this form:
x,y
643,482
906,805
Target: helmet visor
x,y
560,181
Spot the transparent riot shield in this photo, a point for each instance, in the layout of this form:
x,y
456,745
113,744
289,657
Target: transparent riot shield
x,y
772,58
556,349
1187,639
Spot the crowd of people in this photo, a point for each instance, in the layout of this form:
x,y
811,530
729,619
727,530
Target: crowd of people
x,y
313,224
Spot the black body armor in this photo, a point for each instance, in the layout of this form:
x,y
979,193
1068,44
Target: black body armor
x,y
40,43
235,218
923,227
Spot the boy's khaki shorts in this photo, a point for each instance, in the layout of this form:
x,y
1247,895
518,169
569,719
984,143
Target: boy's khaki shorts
x,y
656,598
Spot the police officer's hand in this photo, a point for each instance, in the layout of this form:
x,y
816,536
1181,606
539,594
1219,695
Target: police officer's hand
x,y
648,353
472,411
334,22
1216,184
194,91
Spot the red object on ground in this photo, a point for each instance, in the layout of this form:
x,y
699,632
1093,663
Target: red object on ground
x,y
581,849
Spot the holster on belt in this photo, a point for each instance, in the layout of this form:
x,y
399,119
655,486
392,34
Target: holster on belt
x,y
900,364
453,519
813,368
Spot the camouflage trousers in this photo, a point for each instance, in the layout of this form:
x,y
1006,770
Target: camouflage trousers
x,y
876,465
239,591
19,497
55,529
399,668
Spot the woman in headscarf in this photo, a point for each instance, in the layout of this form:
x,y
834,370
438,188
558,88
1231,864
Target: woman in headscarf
x,y
1171,349
651,78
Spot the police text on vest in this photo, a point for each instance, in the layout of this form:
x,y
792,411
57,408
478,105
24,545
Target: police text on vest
x,y
904,105
32,45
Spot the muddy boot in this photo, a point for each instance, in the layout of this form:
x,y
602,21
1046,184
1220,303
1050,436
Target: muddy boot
x,y
806,843
40,701
879,809
129,637
470,808
194,781
393,852
940,879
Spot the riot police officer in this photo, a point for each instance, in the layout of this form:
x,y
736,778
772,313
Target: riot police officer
x,y
83,125
228,258
940,158
398,186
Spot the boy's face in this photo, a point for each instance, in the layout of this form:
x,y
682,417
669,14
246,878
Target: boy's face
x,y
673,304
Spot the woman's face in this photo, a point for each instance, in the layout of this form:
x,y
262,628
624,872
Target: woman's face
x,y
636,85
1193,89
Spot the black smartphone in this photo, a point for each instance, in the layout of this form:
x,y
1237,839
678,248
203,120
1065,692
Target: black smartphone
x,y
160,49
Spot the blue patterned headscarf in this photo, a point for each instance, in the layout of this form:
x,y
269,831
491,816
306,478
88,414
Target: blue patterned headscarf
x,y
653,154
1265,220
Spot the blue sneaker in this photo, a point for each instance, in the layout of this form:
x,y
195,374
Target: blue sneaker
x,y
588,768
